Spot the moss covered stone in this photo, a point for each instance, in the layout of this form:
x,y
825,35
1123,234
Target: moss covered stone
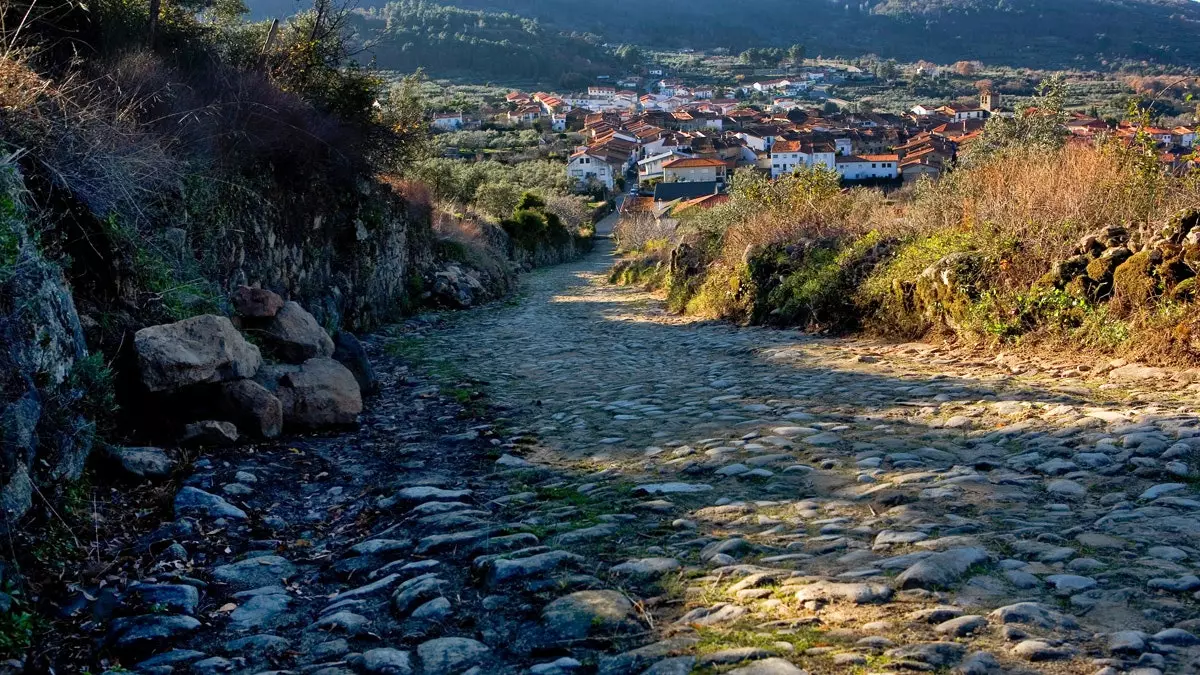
x,y
1101,269
1184,291
1133,282
947,288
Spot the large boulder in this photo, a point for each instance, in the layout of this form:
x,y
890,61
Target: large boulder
x,y
295,336
318,393
200,350
252,407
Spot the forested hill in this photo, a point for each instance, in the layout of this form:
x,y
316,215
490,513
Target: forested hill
x,y
449,41
1033,33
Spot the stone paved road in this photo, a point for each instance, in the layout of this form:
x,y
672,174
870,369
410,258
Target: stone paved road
x,y
897,494
576,482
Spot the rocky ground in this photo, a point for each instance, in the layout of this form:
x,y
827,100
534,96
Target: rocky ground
x,y
577,482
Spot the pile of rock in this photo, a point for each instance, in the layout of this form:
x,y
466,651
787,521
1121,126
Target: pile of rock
x,y
217,387
1115,264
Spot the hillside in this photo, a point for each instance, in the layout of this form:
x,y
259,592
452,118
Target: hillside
x,y
1032,33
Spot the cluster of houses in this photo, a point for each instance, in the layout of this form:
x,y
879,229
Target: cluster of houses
x,y
682,144
690,152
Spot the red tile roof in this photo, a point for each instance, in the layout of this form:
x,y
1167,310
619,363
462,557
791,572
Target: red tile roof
x,y
694,163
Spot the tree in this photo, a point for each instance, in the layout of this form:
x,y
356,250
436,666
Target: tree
x,y
887,70
405,116
965,68
1039,126
796,54
630,55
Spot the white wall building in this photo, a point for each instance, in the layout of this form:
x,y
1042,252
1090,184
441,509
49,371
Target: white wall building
x,y
868,167
585,167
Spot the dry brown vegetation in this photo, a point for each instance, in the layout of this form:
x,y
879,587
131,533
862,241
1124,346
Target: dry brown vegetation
x,y
802,251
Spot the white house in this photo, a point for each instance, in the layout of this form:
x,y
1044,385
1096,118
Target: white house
x,y
695,170
757,142
584,167
1184,136
959,113
447,121
868,167
651,168
923,110
843,146
602,92
787,156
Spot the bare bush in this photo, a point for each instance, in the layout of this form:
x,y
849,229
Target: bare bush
x,y
86,139
637,231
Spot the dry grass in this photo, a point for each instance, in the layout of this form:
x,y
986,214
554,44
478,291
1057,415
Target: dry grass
x,y
638,231
85,137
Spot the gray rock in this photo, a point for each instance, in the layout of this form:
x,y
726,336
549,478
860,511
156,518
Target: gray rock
x,y
259,646
137,633
502,571
387,661
263,612
636,660
561,666
295,336
860,593
979,663
1184,584
935,654
962,626
256,303
1070,584
1176,637
679,665
344,622
771,666
1033,614
673,488
942,570
415,592
349,352
436,610
257,572
195,502
1041,650
199,350
141,462
179,598
212,665
316,394
209,433
589,614
646,569
1127,642
1160,490
252,407
174,657
411,496
451,655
